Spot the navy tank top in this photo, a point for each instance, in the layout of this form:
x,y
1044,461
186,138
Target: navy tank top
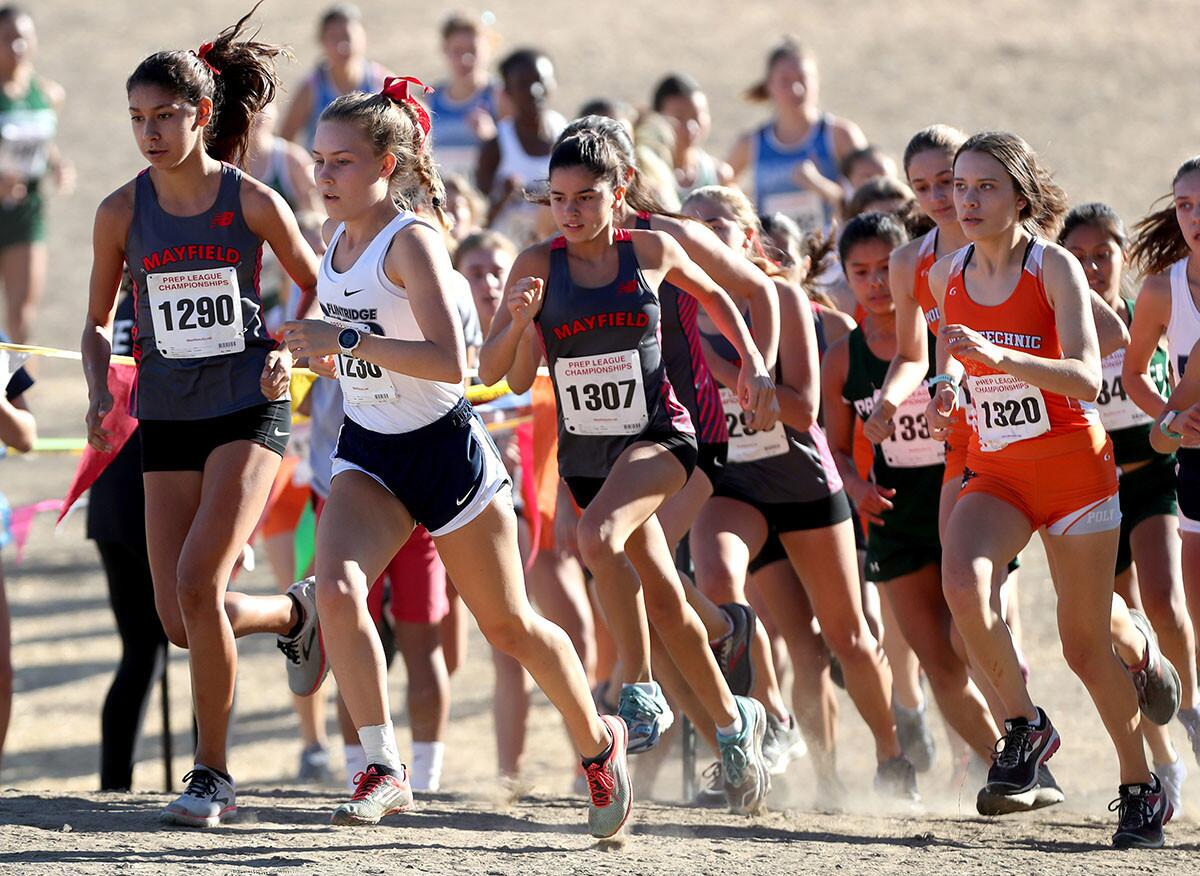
x,y
198,337
776,466
602,346
690,377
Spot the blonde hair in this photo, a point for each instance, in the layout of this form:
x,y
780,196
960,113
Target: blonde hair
x,y
771,261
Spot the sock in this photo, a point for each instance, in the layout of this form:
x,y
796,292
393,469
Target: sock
x,y
602,756
728,631
731,730
295,631
356,762
908,713
1037,723
650,687
379,745
426,772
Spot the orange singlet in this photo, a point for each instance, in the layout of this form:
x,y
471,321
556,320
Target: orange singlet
x,y
960,430
1042,452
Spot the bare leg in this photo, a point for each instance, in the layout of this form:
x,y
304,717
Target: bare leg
x,y
23,268
906,670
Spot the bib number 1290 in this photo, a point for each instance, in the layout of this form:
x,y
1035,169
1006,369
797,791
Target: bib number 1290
x,y
191,313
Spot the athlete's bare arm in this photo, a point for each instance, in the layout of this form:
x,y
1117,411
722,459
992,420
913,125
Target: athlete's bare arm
x,y
1185,397
799,389
741,155
296,118
940,410
847,137
1150,319
911,362
113,218
1111,332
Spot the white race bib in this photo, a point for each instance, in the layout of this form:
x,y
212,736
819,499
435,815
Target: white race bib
x,y
196,313
25,137
602,395
806,207
910,445
746,444
362,382
1117,409
1007,410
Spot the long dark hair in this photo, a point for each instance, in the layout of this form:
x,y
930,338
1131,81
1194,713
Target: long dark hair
x,y
235,71
1158,241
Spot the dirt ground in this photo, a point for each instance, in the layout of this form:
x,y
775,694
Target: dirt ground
x,y
1100,88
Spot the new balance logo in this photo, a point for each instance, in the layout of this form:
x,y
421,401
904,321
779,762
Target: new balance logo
x,y
626,288
221,220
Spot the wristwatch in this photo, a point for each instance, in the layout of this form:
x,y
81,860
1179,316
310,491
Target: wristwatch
x,y
348,340
1165,424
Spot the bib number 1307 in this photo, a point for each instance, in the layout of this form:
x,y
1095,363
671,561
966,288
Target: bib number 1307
x,y
602,395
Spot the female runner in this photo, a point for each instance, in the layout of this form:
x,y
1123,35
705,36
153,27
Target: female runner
x,y
625,442
1016,320
413,451
211,391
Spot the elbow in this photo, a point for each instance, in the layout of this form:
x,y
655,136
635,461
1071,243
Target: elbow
x,y
489,373
1092,383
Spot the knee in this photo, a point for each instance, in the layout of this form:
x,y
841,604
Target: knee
x,y
599,545
507,635
850,641
943,667
1085,654
175,631
338,593
962,588
196,593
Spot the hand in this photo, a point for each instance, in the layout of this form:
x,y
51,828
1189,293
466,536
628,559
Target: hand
x,y
966,344
879,427
808,175
872,500
756,393
939,413
98,408
63,174
481,123
323,366
524,299
1187,424
276,375
311,337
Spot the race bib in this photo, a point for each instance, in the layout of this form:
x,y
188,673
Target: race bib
x,y
25,137
1117,409
602,395
362,382
746,444
910,445
806,207
1007,410
196,313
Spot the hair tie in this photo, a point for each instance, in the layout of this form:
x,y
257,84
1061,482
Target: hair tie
x,y
202,54
437,202
397,89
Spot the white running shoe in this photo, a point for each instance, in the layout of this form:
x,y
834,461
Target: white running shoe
x,y
305,651
207,801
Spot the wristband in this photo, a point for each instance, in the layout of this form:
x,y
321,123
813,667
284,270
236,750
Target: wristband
x,y
1164,426
943,378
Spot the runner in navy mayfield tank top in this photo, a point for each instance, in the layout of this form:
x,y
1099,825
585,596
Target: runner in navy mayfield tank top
x,y
587,301
211,392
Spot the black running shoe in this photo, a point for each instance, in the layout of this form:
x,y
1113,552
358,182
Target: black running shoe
x,y
1045,792
897,779
733,651
1142,812
1019,755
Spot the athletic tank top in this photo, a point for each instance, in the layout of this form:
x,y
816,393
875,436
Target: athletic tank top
x,y
27,128
364,298
775,189
705,175
325,92
779,465
515,162
1127,424
455,146
911,462
1007,409
922,294
690,377
602,346
1183,329
199,338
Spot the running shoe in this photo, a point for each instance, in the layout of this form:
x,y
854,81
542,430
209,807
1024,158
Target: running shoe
x,y
381,792
609,785
782,744
206,802
1045,792
915,739
1172,776
1157,682
1142,810
897,779
1190,719
314,765
646,714
712,788
305,651
733,651
746,778
1015,771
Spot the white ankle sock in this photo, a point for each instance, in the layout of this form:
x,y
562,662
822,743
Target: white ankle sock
x,y
731,730
356,762
426,772
379,744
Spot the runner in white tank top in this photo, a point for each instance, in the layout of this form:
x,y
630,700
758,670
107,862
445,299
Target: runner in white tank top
x,y
412,450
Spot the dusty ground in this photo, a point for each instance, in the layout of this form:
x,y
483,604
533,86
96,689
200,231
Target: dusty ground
x,y
1104,89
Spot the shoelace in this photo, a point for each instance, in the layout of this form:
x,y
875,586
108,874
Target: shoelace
x,y
645,708
1012,745
713,776
290,649
200,783
735,761
367,782
1133,813
600,784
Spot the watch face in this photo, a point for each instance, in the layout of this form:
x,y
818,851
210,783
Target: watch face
x,y
348,339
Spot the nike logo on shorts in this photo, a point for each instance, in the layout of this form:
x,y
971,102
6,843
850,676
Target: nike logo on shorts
x,y
279,434
463,500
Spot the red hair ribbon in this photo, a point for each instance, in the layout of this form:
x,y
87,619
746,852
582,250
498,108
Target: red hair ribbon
x,y
397,88
202,53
